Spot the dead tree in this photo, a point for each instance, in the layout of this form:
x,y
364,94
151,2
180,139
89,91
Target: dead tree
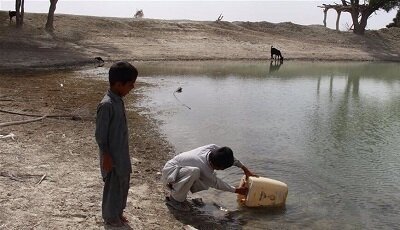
x,y
339,9
220,17
19,9
50,16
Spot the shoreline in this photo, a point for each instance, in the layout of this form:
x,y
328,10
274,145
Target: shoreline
x,y
85,64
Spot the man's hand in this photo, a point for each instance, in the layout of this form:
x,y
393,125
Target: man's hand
x,y
107,162
248,173
242,190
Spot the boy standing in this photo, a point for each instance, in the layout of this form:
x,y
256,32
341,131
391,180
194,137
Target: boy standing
x,y
194,171
112,139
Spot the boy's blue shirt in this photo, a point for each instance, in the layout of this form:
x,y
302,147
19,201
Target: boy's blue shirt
x,y
112,133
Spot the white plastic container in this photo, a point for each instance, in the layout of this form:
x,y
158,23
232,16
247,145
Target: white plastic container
x,y
263,192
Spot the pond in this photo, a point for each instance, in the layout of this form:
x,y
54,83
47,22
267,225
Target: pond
x,y
330,131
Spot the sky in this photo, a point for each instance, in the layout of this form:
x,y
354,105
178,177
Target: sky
x,y
299,12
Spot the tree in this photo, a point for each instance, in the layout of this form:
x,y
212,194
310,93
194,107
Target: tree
x,y
361,13
50,16
396,20
19,8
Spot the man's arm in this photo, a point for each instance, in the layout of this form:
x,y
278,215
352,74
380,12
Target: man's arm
x,y
246,171
222,185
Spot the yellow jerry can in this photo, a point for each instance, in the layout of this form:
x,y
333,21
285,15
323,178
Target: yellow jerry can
x,y
263,192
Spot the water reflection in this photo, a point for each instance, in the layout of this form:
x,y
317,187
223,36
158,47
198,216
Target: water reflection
x,y
260,69
328,130
274,65
349,148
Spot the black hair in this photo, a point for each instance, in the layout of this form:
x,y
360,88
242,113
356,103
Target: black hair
x,y
221,158
123,72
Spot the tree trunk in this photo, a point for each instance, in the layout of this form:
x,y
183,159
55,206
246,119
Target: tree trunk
x,y
362,24
325,13
18,14
22,13
337,20
50,16
356,24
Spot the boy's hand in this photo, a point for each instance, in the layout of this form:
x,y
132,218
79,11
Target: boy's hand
x,y
242,190
107,162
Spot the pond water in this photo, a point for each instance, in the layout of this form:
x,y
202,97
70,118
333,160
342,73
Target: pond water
x,y
330,131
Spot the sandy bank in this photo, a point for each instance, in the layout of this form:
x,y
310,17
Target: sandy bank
x,y
64,150
77,39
